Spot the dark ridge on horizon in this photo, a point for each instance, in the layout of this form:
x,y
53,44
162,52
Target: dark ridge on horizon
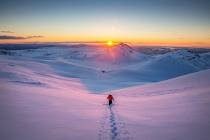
x,y
101,42
142,49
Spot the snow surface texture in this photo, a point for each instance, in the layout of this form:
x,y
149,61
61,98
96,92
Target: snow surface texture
x,y
102,69
45,94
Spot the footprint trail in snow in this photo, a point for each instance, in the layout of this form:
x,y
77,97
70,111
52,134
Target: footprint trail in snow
x,y
112,127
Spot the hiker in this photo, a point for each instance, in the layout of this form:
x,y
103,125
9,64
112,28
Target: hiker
x,y
110,99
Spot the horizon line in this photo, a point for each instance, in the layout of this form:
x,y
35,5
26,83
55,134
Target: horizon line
x,y
115,42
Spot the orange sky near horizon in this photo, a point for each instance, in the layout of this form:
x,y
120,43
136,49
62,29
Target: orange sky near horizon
x,y
193,42
137,22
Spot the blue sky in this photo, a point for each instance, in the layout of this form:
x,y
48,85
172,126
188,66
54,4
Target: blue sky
x,y
121,20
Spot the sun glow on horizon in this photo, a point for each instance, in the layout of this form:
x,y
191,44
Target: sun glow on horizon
x,y
109,43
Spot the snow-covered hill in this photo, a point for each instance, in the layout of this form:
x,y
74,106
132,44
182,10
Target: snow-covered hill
x,y
106,68
37,102
172,109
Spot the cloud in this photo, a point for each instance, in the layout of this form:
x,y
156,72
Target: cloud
x,y
2,37
7,31
7,37
34,36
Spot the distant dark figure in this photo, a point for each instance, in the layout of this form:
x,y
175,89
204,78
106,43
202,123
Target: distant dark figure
x,y
110,99
103,71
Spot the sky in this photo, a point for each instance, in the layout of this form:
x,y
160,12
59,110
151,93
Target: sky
x,y
145,22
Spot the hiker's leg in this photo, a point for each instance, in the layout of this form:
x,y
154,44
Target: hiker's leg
x,y
110,102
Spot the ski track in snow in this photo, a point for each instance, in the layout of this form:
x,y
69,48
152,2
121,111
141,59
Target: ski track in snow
x,y
112,127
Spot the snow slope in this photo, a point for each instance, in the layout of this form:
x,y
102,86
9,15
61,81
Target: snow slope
x,y
38,103
103,69
172,109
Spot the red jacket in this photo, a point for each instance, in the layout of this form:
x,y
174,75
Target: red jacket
x,y
110,97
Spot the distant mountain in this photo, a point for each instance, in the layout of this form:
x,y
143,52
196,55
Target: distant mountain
x,y
120,53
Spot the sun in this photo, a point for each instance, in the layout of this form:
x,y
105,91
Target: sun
x,y
109,43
